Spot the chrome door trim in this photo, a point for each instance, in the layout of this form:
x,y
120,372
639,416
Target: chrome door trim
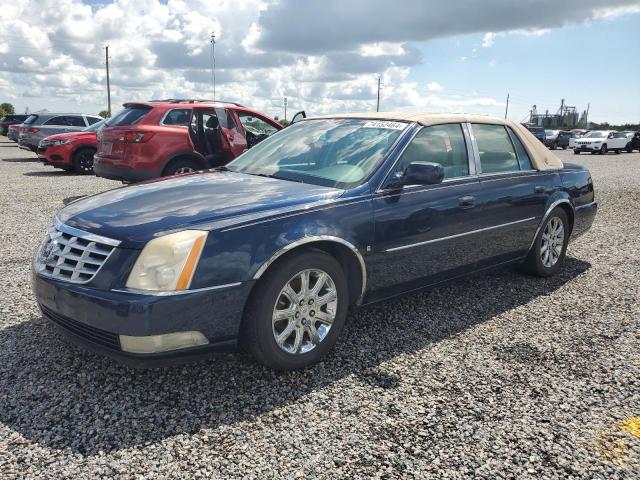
x,y
474,146
318,238
546,215
403,247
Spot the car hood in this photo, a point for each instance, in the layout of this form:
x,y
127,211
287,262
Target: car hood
x,y
135,214
73,136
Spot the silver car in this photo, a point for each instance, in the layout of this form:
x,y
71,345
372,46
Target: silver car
x,y
41,125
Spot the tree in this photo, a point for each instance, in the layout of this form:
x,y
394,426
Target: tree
x,y
6,109
104,114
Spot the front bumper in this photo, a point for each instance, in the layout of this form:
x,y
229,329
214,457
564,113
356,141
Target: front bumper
x,y
96,318
588,147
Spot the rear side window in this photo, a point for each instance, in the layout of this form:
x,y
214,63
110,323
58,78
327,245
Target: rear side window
x,y
93,120
496,150
177,117
225,119
66,121
443,144
523,156
127,116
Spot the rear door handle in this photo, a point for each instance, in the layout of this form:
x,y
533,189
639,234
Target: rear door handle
x,y
539,189
467,201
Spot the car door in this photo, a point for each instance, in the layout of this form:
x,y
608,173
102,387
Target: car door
x,y
255,128
422,232
512,194
234,143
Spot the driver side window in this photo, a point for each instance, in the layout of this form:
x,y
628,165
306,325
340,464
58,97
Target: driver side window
x,y
256,125
443,144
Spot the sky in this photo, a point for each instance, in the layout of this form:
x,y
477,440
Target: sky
x,y
326,56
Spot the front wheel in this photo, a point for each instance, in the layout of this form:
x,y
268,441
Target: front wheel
x,y
550,246
296,313
603,149
83,161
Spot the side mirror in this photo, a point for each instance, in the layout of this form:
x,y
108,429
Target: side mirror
x,y
423,173
298,116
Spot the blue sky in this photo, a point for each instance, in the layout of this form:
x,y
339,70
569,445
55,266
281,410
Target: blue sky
x,y
325,56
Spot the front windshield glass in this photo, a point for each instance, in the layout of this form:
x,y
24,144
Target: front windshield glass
x,y
339,153
596,135
94,127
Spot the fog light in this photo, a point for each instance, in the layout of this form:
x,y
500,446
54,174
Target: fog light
x,y
162,343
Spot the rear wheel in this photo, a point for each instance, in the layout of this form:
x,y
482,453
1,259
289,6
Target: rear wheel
x,y
181,166
629,148
83,161
296,313
550,246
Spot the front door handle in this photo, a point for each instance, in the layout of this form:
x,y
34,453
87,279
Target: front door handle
x,y
467,201
539,189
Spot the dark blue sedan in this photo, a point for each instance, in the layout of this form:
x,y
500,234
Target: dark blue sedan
x,y
270,252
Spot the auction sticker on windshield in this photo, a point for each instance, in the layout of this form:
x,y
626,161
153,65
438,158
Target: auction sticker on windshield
x,y
387,125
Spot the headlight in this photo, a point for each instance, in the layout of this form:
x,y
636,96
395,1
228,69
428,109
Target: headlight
x,y
60,142
168,263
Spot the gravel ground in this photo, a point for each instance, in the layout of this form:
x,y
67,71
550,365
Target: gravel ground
x,y
498,376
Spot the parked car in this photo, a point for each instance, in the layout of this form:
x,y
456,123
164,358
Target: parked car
x,y
537,132
271,251
71,151
8,120
551,138
41,125
601,141
573,136
158,138
634,144
13,132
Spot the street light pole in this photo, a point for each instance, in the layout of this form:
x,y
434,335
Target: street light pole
x,y
213,65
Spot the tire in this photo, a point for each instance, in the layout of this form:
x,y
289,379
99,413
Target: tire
x,y
617,150
260,326
83,161
576,152
564,147
555,146
629,148
537,263
603,149
181,166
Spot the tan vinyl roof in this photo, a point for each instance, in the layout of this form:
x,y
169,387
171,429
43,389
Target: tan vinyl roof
x,y
541,157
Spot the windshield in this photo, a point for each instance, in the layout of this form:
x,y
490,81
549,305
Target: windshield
x,y
596,134
339,153
95,126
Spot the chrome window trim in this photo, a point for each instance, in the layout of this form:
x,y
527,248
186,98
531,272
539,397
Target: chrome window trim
x,y
471,232
164,117
167,293
546,215
379,188
312,239
85,235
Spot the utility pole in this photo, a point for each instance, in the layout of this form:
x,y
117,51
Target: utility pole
x,y
285,109
213,65
586,117
506,110
106,51
378,102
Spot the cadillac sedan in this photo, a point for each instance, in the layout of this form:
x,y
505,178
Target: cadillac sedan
x,y
332,213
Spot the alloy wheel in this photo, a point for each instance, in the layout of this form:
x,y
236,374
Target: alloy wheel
x,y
552,242
304,311
183,170
85,162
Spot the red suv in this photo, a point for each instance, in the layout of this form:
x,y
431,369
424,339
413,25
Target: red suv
x,y
158,138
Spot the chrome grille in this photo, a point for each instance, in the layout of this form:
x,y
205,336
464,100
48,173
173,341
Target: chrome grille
x,y
72,255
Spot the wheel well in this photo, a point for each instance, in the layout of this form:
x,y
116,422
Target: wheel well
x,y
82,147
570,215
344,255
199,161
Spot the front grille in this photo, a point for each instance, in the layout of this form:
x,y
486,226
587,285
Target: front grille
x,y
72,255
92,334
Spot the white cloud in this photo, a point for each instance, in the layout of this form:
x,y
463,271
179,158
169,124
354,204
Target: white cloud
x,y
488,39
434,86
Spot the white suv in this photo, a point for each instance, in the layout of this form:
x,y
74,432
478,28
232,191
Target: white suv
x,y
601,141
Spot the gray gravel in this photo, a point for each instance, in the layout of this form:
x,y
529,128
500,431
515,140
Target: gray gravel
x,y
498,376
